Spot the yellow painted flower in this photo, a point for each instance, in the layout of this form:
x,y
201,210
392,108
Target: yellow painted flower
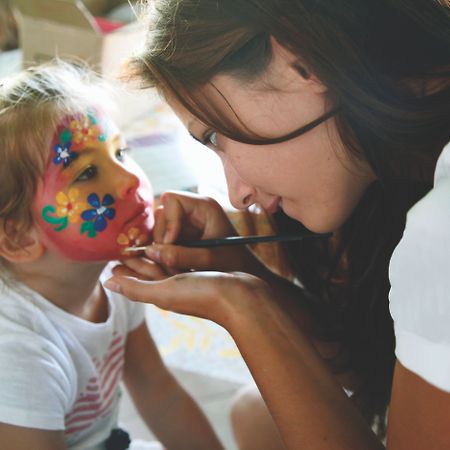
x,y
68,206
134,237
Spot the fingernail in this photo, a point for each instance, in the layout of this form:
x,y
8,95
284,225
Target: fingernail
x,y
153,252
112,286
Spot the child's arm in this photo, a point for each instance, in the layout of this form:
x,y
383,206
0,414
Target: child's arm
x,y
21,438
167,409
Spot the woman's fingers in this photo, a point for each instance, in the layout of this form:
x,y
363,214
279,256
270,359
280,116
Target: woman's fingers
x,y
160,226
198,294
144,268
123,271
175,210
169,219
181,258
189,216
211,295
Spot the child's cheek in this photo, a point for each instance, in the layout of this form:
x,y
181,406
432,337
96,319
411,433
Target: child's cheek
x,y
48,195
57,209
71,224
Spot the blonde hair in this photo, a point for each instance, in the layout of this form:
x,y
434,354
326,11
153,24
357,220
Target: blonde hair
x,y
32,104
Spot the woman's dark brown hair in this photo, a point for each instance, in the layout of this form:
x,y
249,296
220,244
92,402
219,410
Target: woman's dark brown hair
x,y
386,64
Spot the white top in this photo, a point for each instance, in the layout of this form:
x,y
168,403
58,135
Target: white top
x,y
420,284
58,371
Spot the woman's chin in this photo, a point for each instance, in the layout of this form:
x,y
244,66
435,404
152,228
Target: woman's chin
x,y
319,225
323,227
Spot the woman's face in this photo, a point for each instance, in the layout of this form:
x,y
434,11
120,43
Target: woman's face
x,y
94,201
311,177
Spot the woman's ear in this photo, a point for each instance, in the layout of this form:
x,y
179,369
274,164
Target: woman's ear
x,y
294,67
17,246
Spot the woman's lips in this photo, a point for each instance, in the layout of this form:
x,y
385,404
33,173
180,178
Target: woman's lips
x,y
273,207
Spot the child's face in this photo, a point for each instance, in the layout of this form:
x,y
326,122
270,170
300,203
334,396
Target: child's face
x,y
94,200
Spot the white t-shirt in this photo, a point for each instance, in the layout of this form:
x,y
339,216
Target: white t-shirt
x,y
60,372
420,284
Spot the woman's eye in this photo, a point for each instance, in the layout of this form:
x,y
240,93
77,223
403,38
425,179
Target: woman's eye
x,y
210,139
121,153
88,174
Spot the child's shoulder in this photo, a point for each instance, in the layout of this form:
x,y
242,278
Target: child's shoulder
x,y
20,307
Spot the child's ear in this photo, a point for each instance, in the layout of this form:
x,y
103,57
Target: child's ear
x,y
19,247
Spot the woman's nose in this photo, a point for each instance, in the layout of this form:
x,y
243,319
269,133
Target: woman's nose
x,y
240,193
126,183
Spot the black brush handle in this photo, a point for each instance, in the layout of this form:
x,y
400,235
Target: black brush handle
x,y
245,240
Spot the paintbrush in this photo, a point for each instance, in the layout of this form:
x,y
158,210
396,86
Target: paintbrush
x,y
241,240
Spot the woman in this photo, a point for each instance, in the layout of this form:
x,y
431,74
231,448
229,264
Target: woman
x,y
331,115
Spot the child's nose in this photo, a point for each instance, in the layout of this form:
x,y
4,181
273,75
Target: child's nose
x,y
126,184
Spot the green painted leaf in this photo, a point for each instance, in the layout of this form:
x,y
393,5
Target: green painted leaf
x,y
61,221
92,118
88,227
66,136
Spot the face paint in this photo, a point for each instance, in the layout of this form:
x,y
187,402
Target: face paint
x,y
94,200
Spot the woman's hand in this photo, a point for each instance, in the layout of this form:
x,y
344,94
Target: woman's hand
x,y
185,216
217,296
190,216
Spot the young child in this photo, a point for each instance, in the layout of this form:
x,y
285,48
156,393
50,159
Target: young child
x,y
71,200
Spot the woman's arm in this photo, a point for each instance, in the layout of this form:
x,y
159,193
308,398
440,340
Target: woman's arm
x,y
308,405
22,438
418,414
167,409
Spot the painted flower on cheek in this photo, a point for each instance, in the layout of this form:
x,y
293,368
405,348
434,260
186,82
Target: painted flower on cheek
x,y
134,237
96,218
85,129
68,206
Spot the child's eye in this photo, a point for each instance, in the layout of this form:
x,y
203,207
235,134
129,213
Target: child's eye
x,y
88,174
121,153
210,139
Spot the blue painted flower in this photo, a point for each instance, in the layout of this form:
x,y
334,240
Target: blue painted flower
x,y
101,211
64,154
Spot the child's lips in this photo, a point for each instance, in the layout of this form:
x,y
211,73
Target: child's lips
x,y
139,216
